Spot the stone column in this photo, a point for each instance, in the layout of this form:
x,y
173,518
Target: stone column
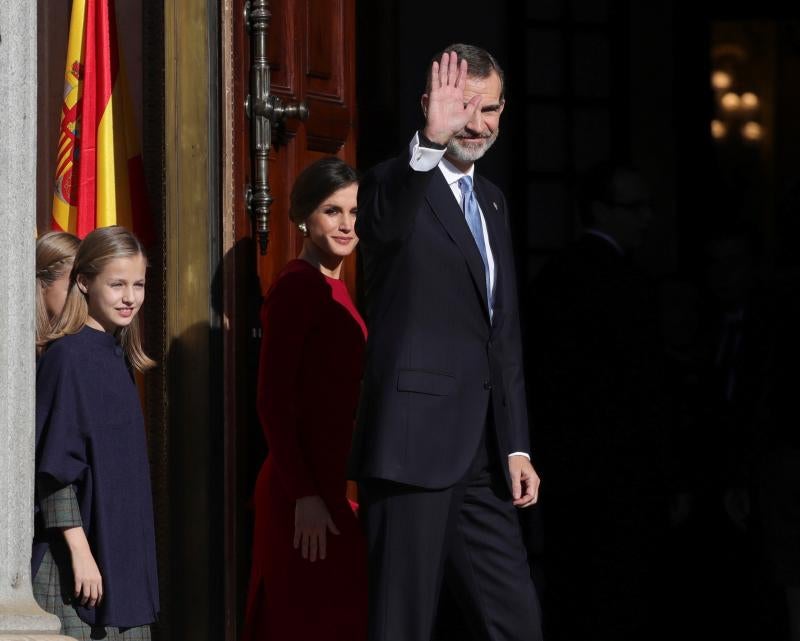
x,y
21,619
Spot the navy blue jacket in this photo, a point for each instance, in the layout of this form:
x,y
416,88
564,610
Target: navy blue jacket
x,y
90,434
436,365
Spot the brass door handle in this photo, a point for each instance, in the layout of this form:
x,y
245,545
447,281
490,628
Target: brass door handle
x,y
273,109
266,112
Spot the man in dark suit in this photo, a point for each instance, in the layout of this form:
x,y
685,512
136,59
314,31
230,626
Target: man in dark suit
x,y
601,438
442,446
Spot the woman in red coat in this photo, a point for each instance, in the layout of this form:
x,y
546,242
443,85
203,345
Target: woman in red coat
x,y
309,578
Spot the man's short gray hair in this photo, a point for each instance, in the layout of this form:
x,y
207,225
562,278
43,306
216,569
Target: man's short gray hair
x,y
480,63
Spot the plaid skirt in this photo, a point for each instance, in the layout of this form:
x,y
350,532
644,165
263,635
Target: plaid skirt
x,y
53,584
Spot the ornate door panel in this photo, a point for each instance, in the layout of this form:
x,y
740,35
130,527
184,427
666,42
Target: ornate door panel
x,y
311,61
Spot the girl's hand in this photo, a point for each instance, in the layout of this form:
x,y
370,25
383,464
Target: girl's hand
x,y
311,524
88,582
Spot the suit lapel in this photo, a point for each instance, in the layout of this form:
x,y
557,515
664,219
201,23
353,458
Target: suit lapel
x,y
446,209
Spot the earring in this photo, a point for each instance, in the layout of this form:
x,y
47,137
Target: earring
x,y
303,228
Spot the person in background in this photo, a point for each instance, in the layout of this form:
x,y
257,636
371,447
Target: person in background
x,y
308,577
55,252
738,326
596,375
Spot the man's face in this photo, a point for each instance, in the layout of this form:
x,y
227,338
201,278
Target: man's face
x,y
628,214
474,140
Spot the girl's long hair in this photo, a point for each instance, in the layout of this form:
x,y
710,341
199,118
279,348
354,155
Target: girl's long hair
x,y
55,252
100,247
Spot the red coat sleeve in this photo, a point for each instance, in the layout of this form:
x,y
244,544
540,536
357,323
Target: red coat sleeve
x,y
287,318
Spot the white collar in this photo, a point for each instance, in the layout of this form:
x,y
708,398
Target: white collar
x,y
606,237
452,174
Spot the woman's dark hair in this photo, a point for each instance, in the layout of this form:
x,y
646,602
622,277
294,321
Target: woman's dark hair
x,y
315,183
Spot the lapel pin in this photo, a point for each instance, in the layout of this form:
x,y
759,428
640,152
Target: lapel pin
x,y
495,205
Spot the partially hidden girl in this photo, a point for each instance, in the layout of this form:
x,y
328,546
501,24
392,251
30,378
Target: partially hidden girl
x,y
55,252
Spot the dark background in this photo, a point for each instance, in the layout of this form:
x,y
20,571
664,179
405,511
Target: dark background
x,y
595,79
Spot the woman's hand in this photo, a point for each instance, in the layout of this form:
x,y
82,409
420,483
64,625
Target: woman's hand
x,y
88,582
311,524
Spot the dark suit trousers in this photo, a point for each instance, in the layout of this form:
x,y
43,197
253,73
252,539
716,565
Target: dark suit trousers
x,y
468,536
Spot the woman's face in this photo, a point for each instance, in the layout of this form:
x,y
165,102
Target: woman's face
x,y
331,226
55,294
116,294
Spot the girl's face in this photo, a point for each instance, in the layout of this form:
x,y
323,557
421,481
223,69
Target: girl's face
x,y
115,295
55,294
331,226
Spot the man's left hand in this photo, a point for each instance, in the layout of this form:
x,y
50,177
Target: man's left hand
x,y
524,481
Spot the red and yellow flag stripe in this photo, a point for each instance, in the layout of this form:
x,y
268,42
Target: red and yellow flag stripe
x,y
99,176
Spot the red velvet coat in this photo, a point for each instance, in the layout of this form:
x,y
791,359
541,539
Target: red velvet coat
x,y
309,379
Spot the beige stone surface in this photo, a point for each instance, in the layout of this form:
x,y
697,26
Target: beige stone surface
x,y
21,619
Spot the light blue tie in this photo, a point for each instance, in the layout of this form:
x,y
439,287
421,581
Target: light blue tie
x,y
473,216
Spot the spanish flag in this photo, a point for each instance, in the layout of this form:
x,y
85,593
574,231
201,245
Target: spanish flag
x,y
99,176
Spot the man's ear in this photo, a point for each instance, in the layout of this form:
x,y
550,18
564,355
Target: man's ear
x,y
423,102
502,106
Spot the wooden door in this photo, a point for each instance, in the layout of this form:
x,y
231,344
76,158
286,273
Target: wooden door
x,y
312,58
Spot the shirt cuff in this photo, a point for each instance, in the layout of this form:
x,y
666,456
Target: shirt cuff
x,y
525,454
423,158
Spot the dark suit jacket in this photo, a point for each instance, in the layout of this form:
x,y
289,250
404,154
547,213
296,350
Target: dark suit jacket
x,y
595,366
435,364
